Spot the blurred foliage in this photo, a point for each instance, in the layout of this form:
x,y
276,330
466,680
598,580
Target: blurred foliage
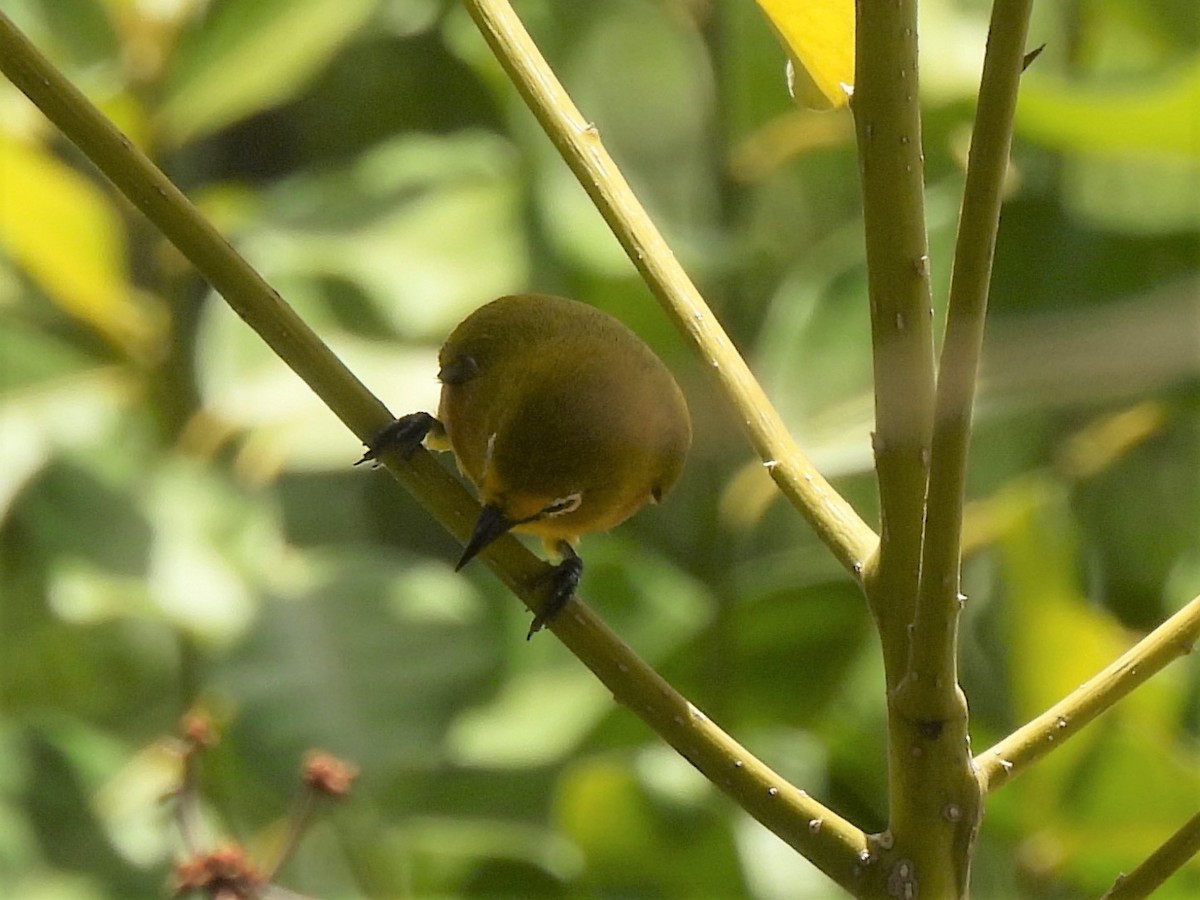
x,y
181,525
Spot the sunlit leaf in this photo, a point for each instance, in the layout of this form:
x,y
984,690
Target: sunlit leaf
x,y
251,56
610,809
427,226
1157,118
130,803
601,806
1059,640
63,231
819,35
535,720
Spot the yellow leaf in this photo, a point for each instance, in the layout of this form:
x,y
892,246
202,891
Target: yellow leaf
x,y
64,233
819,36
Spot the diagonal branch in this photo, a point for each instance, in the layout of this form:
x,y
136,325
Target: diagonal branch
x,y
829,841
834,520
1010,757
1160,865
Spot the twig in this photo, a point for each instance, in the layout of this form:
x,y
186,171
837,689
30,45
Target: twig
x,y
1159,865
196,736
834,520
324,776
1010,757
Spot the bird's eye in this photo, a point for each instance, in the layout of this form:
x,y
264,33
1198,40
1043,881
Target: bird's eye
x,y
459,370
562,505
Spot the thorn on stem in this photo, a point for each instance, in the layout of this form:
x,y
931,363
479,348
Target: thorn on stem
x,y
1027,61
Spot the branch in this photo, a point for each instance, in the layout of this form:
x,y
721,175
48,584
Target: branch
x,y
929,694
834,520
936,799
888,129
835,845
930,690
232,277
1010,757
1159,865
888,126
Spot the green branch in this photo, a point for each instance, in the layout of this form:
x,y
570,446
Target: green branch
x,y
926,819
830,841
929,690
1010,757
887,123
928,699
834,520
1160,865
922,435
230,275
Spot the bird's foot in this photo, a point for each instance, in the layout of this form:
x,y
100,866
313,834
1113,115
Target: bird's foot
x,y
564,579
404,436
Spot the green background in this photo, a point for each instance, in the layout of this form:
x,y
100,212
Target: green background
x,y
181,525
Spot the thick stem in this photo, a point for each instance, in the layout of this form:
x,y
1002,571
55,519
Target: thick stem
x,y
888,126
928,700
936,798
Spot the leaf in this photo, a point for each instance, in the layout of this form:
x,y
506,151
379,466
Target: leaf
x,y
1058,638
370,662
612,810
248,57
1158,118
819,36
63,231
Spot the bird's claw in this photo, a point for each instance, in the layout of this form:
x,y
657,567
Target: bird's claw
x,y
404,436
564,579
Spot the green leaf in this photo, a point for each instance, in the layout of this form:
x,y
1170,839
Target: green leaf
x,y
1058,639
1158,117
248,57
370,663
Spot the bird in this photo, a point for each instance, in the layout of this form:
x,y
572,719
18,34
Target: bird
x,y
563,419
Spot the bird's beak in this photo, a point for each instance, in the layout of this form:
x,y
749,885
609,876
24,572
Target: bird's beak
x,y
490,525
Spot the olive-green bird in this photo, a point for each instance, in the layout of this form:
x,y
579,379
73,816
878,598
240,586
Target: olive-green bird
x,y
562,418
